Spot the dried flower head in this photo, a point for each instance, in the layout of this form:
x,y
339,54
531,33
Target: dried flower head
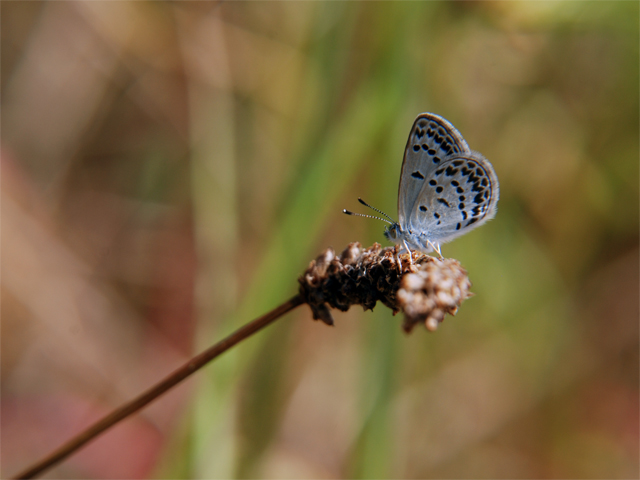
x,y
424,289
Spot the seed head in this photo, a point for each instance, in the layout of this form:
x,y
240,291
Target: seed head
x,y
424,290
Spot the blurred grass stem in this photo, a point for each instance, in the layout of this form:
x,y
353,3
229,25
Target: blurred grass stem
x,y
154,392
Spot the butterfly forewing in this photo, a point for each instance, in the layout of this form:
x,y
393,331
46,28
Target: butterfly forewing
x,y
459,195
431,141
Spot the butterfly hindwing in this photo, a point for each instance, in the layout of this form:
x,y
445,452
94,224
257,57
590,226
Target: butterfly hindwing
x,y
431,141
459,195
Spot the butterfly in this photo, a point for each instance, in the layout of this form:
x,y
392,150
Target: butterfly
x,y
446,189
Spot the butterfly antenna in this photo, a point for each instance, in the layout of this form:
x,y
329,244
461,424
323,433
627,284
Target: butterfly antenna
x,y
377,210
367,216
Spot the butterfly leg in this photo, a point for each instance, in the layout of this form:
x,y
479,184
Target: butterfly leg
x,y
436,248
397,257
408,251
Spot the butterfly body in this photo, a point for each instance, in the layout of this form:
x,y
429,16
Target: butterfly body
x,y
446,189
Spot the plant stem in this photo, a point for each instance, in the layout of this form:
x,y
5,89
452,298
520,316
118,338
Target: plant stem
x,y
154,392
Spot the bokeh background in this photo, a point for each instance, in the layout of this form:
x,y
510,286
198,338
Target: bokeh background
x,y
170,168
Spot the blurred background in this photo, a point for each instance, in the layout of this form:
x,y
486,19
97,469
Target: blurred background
x,y
169,169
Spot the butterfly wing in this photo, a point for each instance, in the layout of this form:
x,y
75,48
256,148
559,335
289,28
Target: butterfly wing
x,y
432,139
460,194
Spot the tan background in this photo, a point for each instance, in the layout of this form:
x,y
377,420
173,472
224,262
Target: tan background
x,y
168,169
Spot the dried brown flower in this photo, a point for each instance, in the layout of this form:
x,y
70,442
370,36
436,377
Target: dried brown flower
x,y
424,290
423,287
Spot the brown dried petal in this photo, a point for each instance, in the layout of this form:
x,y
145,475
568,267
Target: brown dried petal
x,y
425,291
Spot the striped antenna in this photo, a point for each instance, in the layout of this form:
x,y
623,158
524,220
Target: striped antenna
x,y
376,209
370,216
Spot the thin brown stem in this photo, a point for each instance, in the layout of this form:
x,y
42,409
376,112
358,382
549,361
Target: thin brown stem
x,y
154,392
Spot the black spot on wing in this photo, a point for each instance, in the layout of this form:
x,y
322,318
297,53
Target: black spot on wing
x,y
439,189
473,220
416,148
423,208
433,183
418,175
444,202
450,171
476,187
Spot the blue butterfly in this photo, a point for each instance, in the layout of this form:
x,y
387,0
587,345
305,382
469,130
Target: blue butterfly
x,y
446,189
